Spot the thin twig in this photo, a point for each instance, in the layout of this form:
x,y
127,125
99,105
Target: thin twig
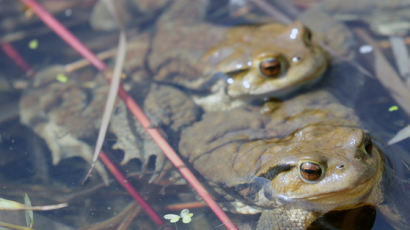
x,y
83,62
190,205
74,66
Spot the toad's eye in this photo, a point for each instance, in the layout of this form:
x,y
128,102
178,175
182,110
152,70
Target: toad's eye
x,y
367,145
310,171
270,67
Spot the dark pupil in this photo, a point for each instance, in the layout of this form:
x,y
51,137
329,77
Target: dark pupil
x,y
270,67
310,171
368,146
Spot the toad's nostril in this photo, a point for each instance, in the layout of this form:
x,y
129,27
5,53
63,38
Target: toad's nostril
x,y
367,145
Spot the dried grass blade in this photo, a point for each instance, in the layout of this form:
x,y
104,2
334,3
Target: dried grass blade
x,y
401,135
112,95
401,55
115,83
9,205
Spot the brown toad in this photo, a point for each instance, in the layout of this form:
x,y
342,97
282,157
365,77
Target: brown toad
x,y
305,158
223,67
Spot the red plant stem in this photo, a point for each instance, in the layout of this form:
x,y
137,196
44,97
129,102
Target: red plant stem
x,y
9,50
134,109
124,182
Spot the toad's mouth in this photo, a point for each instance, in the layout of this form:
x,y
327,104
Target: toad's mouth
x,y
356,191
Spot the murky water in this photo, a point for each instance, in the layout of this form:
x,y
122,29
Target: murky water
x,y
50,120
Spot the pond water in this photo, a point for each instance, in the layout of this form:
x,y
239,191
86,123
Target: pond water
x,y
269,113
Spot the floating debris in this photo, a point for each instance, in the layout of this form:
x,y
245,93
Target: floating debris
x,y
33,44
393,108
62,78
364,49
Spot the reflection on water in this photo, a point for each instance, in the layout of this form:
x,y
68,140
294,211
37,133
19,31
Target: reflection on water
x,y
318,136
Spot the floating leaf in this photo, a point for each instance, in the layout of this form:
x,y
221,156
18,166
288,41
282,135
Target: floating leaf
x,y
28,213
33,44
172,218
186,216
62,78
393,108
